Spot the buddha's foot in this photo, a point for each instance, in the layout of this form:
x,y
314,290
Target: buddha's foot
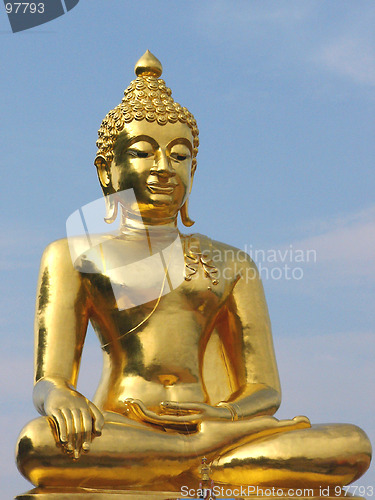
x,y
320,455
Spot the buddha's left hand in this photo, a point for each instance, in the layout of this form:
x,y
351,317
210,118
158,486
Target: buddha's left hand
x,y
177,414
202,411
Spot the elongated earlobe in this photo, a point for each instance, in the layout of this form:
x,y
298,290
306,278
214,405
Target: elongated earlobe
x,y
103,171
111,203
186,221
111,208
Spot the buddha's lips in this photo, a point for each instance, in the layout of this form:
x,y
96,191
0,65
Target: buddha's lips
x,y
161,188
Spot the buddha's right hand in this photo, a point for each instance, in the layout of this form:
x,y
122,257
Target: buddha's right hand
x,y
76,419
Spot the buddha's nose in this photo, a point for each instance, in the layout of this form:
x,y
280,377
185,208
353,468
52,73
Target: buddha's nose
x,y
162,165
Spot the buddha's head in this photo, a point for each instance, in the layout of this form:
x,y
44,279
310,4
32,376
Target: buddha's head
x,y
148,143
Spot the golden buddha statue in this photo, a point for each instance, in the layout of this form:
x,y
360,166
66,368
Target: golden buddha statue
x,y
189,367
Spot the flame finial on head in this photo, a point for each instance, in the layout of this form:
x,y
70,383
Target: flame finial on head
x,y
148,65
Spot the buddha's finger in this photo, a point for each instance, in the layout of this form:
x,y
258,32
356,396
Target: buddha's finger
x,y
185,418
142,412
172,405
78,432
138,406
300,422
87,430
98,419
69,443
61,426
139,409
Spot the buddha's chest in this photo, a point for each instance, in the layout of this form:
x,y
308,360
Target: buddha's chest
x,y
189,305
158,320
176,280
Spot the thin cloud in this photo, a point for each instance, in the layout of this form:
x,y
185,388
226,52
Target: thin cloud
x,y
247,14
346,248
351,52
350,57
341,252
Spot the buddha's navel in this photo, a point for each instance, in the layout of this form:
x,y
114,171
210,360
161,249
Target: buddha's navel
x,y
168,380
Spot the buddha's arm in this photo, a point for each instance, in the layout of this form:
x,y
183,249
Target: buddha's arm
x,y
245,330
60,327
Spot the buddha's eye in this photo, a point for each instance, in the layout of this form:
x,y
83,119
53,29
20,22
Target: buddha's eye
x,y
179,156
137,153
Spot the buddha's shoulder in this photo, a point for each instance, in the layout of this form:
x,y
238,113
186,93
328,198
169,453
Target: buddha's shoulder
x,y
219,251
56,248
70,248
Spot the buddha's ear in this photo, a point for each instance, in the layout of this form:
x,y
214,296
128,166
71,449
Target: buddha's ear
x,y
184,211
104,174
111,203
193,168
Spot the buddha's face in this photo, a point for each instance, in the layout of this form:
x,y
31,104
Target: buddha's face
x,y
155,161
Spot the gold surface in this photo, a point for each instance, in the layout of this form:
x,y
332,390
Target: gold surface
x,y
87,494
187,373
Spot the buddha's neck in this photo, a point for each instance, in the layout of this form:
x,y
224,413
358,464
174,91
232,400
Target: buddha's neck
x,y
134,223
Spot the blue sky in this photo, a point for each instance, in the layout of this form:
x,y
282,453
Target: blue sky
x,y
283,93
